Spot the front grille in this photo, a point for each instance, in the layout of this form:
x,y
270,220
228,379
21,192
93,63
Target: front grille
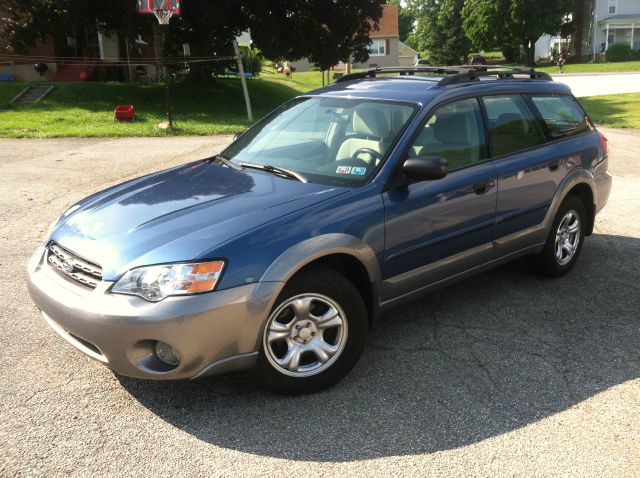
x,y
73,267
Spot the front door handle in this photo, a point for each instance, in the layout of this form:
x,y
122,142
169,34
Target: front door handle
x,y
554,164
483,187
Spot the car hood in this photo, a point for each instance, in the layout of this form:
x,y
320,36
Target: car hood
x,y
178,214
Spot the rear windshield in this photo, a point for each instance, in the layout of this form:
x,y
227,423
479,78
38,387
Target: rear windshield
x,y
329,140
562,114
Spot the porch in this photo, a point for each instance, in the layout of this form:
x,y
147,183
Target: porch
x,y
615,32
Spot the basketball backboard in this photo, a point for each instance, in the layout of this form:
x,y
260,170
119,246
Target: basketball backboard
x,y
162,9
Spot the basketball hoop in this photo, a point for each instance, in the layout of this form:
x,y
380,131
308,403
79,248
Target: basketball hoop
x,y
163,10
163,16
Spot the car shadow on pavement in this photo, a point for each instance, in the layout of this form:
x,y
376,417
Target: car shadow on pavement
x,y
475,360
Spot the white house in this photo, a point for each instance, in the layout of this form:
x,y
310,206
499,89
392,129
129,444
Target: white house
x,y
617,21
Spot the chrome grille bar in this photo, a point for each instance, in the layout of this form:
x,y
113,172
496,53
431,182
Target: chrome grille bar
x,y
74,267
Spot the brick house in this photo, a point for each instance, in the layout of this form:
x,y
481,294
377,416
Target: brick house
x,y
94,55
385,48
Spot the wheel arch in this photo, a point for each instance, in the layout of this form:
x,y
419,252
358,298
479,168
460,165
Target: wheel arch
x,y
580,183
348,255
584,192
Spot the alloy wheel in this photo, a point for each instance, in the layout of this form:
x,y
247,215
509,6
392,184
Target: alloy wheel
x,y
567,237
305,335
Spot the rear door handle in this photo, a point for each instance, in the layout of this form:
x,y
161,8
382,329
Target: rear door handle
x,y
483,187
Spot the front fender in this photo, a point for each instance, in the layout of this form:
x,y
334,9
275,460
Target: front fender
x,y
309,250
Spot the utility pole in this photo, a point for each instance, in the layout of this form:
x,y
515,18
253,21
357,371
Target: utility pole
x,y
236,50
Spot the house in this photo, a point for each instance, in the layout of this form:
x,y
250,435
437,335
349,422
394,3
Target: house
x,y
89,55
385,48
407,56
617,21
546,44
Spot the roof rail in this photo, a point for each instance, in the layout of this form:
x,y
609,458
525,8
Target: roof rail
x,y
453,75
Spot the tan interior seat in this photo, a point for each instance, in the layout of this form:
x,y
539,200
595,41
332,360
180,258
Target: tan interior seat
x,y
371,125
449,137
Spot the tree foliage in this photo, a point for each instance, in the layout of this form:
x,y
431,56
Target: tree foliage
x,y
29,21
406,17
325,31
508,22
439,34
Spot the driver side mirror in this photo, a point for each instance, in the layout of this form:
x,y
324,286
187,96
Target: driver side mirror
x,y
425,168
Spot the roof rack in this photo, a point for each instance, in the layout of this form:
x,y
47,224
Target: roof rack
x,y
453,75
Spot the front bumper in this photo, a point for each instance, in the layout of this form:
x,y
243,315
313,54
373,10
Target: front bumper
x,y
214,333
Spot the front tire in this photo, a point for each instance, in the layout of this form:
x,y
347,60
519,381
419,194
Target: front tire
x,y
565,240
314,335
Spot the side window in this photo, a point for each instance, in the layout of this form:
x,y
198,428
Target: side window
x,y
512,126
562,115
453,132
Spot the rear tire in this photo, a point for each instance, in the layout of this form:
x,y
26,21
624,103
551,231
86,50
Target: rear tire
x,y
315,333
565,240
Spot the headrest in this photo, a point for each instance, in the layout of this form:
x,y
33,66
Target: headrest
x,y
370,121
451,128
511,123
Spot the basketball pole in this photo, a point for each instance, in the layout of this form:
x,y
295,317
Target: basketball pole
x,y
243,80
165,72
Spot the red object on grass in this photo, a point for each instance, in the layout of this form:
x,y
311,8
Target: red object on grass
x,y
125,113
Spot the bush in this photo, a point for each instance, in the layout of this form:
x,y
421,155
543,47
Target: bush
x,y
252,60
620,52
512,54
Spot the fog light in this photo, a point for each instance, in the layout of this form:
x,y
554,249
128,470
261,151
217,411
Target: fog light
x,y
167,354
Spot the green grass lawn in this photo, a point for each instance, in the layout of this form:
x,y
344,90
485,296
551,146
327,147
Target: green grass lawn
x,y
622,66
215,107
86,109
614,111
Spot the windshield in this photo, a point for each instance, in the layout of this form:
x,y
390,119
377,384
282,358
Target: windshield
x,y
328,140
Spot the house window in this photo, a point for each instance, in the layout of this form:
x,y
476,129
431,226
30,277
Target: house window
x,y
378,47
612,7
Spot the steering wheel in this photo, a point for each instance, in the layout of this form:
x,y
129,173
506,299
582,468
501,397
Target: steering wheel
x,y
374,154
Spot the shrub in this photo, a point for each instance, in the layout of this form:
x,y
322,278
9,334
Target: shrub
x,y
512,53
252,60
620,52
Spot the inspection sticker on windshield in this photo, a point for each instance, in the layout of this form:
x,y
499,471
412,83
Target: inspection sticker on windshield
x,y
343,170
359,170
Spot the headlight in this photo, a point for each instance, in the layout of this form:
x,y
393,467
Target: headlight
x,y
154,283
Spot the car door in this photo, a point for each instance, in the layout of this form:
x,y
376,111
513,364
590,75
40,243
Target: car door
x,y
437,229
529,171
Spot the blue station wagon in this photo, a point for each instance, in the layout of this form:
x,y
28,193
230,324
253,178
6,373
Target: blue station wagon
x,y
279,253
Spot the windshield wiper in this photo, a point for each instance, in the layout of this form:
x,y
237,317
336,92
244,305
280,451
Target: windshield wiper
x,y
226,162
277,170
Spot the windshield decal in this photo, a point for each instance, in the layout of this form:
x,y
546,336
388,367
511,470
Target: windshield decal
x,y
343,170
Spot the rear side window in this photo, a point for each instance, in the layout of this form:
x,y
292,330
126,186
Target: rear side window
x,y
512,126
562,115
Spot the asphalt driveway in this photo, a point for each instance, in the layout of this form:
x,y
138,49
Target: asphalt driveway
x,y
505,374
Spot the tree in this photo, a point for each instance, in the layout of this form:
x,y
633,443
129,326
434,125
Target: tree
x,y
505,22
439,34
406,17
325,31
28,21
581,19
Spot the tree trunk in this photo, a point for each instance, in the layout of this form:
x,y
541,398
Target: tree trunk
x,y
530,52
581,19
